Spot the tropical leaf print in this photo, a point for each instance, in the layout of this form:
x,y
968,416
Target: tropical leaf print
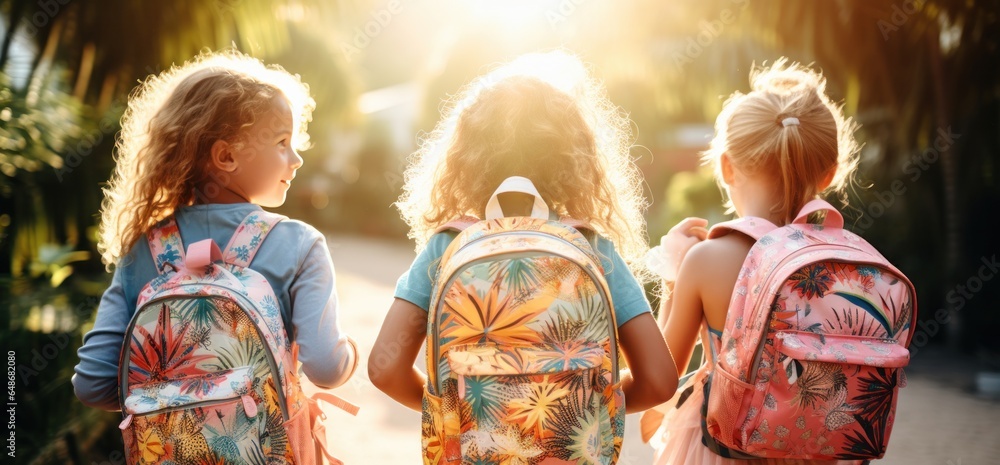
x,y
203,384
201,311
816,383
812,280
151,446
241,353
506,444
154,355
533,408
235,319
470,318
592,438
878,390
485,397
169,255
519,275
589,320
189,444
838,412
864,443
570,356
901,314
870,308
852,321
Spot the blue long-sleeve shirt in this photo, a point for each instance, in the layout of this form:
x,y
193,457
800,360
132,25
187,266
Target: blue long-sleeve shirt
x,y
294,259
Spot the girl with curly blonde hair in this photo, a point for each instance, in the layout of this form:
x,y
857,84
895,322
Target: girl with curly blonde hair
x,y
544,118
205,145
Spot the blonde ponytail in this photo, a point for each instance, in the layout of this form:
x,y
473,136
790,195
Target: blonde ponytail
x,y
788,126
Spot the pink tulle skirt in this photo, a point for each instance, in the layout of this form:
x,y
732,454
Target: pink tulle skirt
x,y
678,440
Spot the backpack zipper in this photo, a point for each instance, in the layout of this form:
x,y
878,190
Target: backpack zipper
x,y
126,350
249,407
606,299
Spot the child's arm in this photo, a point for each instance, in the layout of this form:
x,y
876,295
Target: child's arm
x,y
95,381
651,379
329,357
681,310
390,366
702,292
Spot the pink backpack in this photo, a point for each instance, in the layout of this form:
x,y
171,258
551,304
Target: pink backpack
x,y
207,371
816,337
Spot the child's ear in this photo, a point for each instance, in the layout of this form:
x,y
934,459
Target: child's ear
x,y
223,157
827,180
728,175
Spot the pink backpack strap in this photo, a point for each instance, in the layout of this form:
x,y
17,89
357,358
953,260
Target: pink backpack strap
x,y
317,416
248,237
751,226
458,224
576,224
166,246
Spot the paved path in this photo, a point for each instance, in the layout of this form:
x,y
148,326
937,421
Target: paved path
x,y
938,423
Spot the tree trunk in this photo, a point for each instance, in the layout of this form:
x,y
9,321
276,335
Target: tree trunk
x,y
8,38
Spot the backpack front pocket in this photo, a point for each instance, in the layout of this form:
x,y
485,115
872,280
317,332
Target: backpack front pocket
x,y
843,390
530,402
193,420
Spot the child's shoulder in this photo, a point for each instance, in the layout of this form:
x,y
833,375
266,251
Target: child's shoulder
x,y
299,229
725,252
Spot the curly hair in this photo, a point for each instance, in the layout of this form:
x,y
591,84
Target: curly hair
x,y
168,129
751,132
543,117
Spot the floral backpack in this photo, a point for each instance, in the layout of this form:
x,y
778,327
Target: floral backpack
x,y
522,353
207,371
812,355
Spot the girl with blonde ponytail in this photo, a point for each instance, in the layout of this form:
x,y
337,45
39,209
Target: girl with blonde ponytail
x,y
775,149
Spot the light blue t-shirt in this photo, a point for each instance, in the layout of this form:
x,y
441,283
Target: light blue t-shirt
x,y
627,296
294,259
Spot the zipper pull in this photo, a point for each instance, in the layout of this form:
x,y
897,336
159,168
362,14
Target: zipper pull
x,y
461,387
249,406
127,421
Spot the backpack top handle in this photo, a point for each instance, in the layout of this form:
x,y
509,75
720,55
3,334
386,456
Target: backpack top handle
x,y
517,184
833,217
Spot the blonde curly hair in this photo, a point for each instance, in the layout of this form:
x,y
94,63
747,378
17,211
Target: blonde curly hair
x,y
168,129
751,132
543,117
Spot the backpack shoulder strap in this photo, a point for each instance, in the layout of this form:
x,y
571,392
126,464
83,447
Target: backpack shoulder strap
x,y
165,245
754,227
577,224
458,224
249,235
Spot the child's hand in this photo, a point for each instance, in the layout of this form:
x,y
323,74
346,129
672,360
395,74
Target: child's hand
x,y
665,259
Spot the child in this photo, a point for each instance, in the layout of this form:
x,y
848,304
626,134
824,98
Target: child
x,y
543,118
776,148
206,144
